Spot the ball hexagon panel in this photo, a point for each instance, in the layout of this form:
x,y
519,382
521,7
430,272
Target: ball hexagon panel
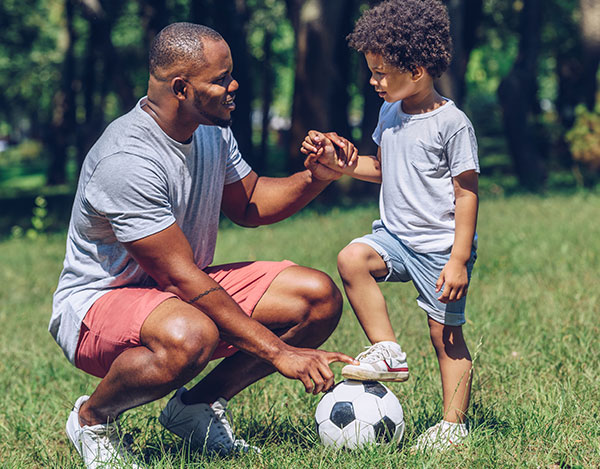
x,y
368,408
356,434
342,413
392,408
330,434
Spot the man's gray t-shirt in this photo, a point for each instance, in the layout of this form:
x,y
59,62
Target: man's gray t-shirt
x,y
420,154
136,181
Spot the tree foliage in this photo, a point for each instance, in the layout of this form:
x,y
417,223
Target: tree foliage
x,y
68,67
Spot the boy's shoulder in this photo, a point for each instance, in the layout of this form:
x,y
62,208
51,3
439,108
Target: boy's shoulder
x,y
448,118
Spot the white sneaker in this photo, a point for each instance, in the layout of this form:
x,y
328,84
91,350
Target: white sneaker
x,y
441,436
204,426
100,446
383,361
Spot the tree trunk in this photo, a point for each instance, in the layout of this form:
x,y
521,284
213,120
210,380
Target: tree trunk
x,y
230,18
318,25
465,16
63,119
268,82
590,37
517,93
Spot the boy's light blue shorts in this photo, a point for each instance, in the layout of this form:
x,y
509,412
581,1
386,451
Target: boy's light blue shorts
x,y
423,269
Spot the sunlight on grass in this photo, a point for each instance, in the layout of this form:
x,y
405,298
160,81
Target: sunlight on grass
x,y
532,325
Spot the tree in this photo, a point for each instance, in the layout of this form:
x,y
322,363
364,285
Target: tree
x,y
465,17
321,84
518,99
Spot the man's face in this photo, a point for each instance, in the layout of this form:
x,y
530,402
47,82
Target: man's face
x,y
214,87
391,83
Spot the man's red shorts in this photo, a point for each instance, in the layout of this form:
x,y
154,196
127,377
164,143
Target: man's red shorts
x,y
113,323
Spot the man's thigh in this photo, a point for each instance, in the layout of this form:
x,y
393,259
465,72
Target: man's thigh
x,y
113,324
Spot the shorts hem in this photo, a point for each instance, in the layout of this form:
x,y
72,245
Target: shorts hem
x,y
442,316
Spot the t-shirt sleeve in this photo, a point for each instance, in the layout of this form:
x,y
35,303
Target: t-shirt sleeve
x,y
461,150
236,168
380,123
133,194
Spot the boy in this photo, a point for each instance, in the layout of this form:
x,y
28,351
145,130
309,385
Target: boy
x,y
428,169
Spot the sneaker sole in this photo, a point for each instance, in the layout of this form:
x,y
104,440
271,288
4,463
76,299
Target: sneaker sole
x,y
366,375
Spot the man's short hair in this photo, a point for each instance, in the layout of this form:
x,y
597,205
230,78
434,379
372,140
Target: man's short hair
x,y
179,49
407,33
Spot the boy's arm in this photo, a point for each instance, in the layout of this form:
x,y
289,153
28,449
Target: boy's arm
x,y
318,146
454,276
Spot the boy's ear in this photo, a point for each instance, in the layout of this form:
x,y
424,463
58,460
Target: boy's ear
x,y
418,73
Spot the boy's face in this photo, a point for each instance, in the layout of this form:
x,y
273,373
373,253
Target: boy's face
x,y
391,83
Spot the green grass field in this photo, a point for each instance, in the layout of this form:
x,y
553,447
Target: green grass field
x,y
532,327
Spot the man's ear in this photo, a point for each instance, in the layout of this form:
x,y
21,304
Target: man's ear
x,y
418,73
179,87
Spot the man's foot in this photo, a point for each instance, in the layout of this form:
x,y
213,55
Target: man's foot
x,y
442,436
204,426
100,446
383,361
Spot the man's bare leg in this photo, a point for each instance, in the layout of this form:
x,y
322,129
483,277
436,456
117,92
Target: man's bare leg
x,y
178,343
302,305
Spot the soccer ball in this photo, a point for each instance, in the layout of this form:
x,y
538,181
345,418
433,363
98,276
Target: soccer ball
x,y
354,413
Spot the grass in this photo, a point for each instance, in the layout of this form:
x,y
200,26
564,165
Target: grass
x,y
532,326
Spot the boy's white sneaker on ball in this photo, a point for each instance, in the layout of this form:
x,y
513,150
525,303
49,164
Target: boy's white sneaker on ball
x,y
101,446
382,361
441,436
204,426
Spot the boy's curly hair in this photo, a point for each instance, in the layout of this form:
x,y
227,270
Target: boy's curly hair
x,y
407,33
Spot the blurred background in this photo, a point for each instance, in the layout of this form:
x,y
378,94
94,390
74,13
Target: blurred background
x,y
524,71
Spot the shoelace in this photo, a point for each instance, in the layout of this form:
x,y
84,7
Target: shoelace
x,y
224,415
374,353
109,443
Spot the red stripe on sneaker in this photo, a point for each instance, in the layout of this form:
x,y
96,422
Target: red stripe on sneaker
x,y
395,370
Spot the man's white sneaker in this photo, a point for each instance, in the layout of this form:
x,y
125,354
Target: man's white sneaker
x,y
441,436
383,361
100,446
204,426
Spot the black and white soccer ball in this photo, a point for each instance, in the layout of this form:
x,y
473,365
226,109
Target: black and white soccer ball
x,y
354,413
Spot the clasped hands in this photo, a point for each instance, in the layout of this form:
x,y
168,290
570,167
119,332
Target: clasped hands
x,y
327,154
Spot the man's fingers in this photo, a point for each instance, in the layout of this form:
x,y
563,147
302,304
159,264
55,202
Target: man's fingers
x,y
341,357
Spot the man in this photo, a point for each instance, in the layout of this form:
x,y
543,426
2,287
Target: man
x,y
136,304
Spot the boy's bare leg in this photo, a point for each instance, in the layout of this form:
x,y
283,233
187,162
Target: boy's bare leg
x,y
455,369
359,265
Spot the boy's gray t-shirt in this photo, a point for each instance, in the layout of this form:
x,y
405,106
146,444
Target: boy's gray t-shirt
x,y
420,154
135,182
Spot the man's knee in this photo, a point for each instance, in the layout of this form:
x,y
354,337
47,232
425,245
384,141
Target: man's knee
x,y
322,295
182,338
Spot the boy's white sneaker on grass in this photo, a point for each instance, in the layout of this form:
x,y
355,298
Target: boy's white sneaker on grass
x,y
203,426
441,436
101,446
383,361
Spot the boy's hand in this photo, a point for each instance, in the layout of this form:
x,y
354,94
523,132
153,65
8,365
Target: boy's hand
x,y
455,280
330,149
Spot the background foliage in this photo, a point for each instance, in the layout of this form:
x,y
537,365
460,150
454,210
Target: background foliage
x,y
521,67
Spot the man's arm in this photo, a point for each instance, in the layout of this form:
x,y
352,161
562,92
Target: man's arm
x,y
167,257
454,277
255,201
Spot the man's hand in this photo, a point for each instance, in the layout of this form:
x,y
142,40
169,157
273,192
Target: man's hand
x,y
331,150
310,366
455,280
320,171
